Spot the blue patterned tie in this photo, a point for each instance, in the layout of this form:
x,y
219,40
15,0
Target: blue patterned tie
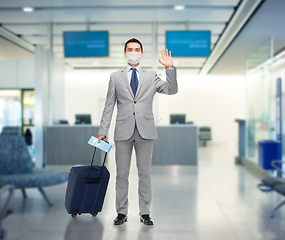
x,y
134,81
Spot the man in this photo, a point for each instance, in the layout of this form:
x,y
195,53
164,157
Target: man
x,y
133,89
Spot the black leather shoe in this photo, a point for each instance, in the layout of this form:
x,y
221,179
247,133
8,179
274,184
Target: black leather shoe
x,y
146,220
120,219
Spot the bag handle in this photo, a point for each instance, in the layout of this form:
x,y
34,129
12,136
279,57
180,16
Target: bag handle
x,y
88,180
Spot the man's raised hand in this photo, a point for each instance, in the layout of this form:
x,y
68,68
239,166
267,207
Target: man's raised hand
x,y
167,60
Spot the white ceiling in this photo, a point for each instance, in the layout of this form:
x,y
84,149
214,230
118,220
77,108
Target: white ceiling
x,y
123,20
268,21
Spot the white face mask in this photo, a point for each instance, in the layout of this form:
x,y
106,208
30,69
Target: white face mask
x,y
134,58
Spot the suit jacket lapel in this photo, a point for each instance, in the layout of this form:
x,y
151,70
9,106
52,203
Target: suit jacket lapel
x,y
142,74
124,76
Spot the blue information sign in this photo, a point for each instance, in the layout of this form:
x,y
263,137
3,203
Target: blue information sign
x,y
188,43
86,44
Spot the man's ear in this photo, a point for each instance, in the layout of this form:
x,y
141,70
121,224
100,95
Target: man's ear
x,y
142,55
125,54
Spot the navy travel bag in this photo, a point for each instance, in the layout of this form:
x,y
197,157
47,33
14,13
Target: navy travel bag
x,y
86,188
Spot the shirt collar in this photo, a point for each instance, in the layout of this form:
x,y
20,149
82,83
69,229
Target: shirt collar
x,y
128,68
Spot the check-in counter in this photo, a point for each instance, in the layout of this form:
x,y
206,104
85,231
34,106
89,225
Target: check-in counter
x,y
176,145
67,145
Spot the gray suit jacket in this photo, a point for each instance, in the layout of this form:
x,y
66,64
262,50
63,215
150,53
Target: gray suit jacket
x,y
135,110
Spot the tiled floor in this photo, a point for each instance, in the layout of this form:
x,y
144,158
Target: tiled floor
x,y
216,201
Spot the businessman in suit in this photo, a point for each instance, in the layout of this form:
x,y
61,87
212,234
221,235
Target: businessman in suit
x,y
133,89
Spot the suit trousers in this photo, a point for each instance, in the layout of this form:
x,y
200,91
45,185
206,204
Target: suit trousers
x,y
143,149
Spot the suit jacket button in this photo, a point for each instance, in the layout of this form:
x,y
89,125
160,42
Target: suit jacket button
x,y
135,102
133,113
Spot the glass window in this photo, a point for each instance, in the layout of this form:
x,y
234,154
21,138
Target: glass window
x,y
10,111
259,100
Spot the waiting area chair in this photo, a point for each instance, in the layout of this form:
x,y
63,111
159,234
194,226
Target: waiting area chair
x,y
4,206
205,135
16,168
274,184
11,130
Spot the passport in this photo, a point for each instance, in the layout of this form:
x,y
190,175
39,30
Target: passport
x,y
106,147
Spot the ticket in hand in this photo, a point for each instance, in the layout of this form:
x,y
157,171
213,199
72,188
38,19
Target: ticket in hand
x,y
106,147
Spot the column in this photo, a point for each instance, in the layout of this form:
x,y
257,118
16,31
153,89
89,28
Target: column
x,y
41,80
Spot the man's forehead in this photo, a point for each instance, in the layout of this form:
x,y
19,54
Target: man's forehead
x,y
133,45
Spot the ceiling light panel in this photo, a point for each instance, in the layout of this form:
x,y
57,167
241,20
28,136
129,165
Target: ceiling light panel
x,y
179,8
28,9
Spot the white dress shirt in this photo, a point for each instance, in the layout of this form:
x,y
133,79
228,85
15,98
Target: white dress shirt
x,y
129,72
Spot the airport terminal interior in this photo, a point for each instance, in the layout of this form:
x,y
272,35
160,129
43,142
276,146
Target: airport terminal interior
x,y
217,169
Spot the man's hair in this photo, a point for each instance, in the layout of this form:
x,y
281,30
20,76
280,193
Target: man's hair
x,y
133,40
